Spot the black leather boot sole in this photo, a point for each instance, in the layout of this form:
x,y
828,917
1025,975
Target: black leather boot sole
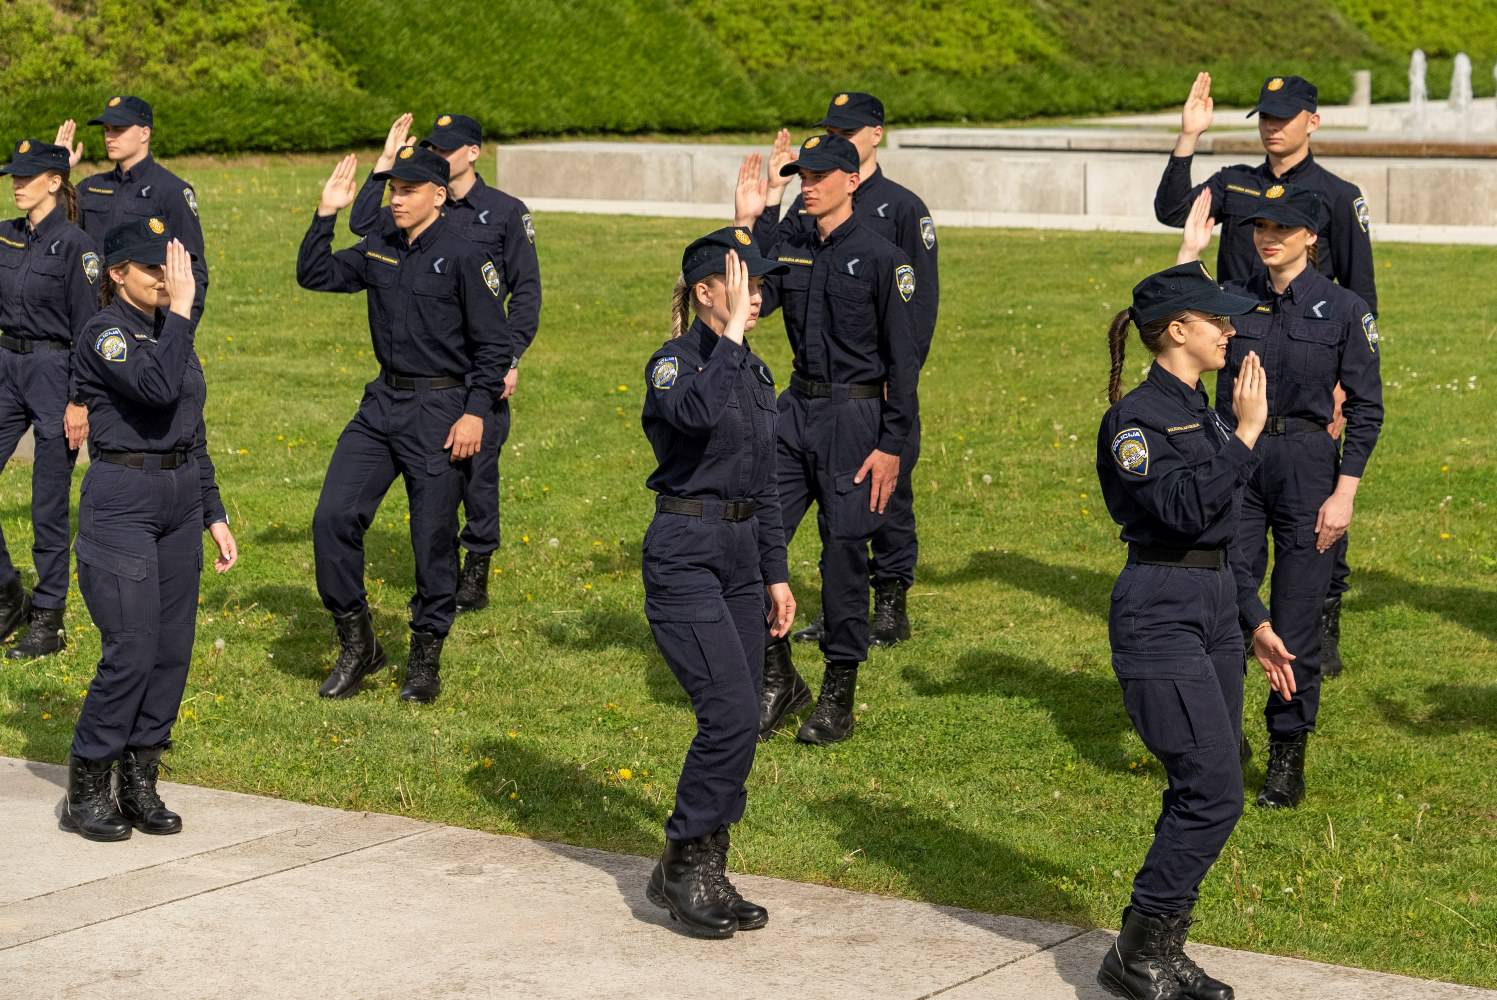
x,y
67,823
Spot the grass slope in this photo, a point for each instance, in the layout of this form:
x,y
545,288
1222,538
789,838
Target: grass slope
x,y
993,767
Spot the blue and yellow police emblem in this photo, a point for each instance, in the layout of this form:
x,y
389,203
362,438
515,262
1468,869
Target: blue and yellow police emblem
x,y
663,374
1369,327
1130,449
491,277
91,267
904,278
111,345
928,232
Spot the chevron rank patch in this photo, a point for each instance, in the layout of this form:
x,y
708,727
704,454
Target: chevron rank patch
x,y
111,345
904,277
663,375
1130,449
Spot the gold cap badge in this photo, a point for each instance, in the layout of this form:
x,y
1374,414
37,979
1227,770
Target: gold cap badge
x,y
840,100
1277,191
812,142
114,102
407,152
445,120
24,147
157,226
742,237
1277,83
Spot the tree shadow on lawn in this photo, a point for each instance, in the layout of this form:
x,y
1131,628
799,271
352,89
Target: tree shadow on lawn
x,y
1085,590
1087,708
604,630
1452,708
1469,607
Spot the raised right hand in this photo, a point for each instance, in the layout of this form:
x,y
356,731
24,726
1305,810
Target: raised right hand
x,y
398,137
736,289
339,191
779,155
65,134
181,286
1250,399
1198,227
752,192
1195,118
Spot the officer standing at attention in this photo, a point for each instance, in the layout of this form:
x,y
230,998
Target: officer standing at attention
x,y
1171,472
49,270
501,225
1312,335
1287,117
898,215
147,497
846,421
717,543
443,348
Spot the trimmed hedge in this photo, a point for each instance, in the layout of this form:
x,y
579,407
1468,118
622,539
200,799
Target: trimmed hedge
x,y
278,75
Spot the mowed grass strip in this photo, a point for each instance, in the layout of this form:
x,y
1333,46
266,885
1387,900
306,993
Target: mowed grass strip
x,y
993,767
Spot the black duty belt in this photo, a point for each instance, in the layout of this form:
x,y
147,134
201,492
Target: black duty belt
x,y
855,390
22,346
732,510
1195,558
1293,425
146,459
412,382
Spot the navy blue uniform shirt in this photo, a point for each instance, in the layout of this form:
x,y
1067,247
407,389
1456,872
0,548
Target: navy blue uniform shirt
x,y
147,189
848,316
144,388
1345,244
898,215
496,221
1314,335
433,304
709,415
48,278
1170,470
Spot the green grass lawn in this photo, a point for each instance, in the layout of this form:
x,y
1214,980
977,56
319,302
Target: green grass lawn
x,y
993,766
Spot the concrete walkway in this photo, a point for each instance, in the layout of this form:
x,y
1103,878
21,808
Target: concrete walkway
x,y
263,898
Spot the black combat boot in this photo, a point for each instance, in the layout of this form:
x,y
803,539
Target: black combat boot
x,y
1330,637
1137,967
831,720
890,623
15,604
1194,983
812,632
90,809
473,585
751,916
139,802
683,882
359,654
44,635
1284,785
423,680
784,691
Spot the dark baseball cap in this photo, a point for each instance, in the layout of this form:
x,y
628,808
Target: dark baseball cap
x,y
454,132
704,256
1290,206
1286,96
853,111
1182,287
124,111
417,164
32,158
140,240
823,152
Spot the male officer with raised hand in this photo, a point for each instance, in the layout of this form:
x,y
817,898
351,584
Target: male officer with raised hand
x,y
501,226
899,216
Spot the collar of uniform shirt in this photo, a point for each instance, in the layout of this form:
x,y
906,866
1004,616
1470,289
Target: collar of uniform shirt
x,y
467,199
54,218
1193,397
428,235
869,183
838,233
1297,290
1289,174
126,176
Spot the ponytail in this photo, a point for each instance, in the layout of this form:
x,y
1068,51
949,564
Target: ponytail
x,y
1150,335
68,195
680,307
1312,251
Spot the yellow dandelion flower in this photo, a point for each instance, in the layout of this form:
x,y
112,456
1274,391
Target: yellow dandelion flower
x,y
625,774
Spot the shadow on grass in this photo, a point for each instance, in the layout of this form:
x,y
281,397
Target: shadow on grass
x,y
605,630
1465,606
1451,708
307,644
1087,708
1085,590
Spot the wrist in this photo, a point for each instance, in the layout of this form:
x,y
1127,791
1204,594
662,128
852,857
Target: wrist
x,y
1265,623
325,211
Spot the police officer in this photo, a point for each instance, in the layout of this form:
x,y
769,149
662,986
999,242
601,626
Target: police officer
x,y
898,215
147,497
48,272
847,419
1287,117
1171,471
443,347
502,226
716,543
1312,335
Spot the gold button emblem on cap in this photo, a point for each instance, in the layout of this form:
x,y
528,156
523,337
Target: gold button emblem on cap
x,y
445,120
1277,191
407,152
157,226
1277,83
114,102
812,142
742,237
24,147
840,100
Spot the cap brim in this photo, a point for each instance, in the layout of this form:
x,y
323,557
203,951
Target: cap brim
x,y
1282,214
116,117
760,266
1279,109
845,120
811,161
401,172
149,254
1221,303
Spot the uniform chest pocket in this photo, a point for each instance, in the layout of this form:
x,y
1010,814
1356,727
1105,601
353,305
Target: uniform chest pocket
x,y
851,301
484,236
135,205
798,278
46,281
10,258
1194,446
1314,350
378,275
441,286
1237,204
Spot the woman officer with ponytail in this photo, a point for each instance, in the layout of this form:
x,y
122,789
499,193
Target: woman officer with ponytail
x,y
49,270
1172,472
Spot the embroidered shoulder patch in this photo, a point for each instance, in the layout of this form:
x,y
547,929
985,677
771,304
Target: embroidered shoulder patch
x,y
904,277
529,224
111,345
191,199
1131,451
1369,327
928,232
91,267
491,277
1364,217
663,374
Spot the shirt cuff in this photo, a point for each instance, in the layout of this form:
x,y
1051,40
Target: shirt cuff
x,y
480,403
